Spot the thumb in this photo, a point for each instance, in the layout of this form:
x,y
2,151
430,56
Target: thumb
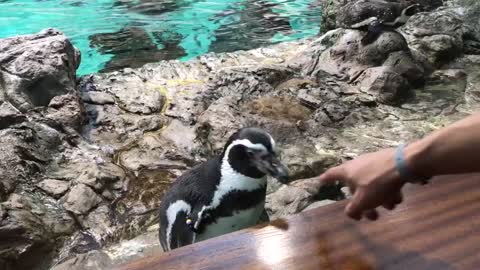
x,y
332,175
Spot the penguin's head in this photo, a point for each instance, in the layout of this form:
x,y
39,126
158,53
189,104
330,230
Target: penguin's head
x,y
251,152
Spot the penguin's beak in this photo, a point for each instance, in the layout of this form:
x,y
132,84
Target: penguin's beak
x,y
270,164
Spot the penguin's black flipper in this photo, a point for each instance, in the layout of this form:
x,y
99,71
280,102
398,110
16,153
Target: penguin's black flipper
x,y
374,31
198,218
183,235
193,190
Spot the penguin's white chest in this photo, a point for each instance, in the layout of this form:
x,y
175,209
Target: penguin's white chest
x,y
239,220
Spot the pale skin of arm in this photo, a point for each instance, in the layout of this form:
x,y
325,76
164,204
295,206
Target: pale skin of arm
x,y
375,182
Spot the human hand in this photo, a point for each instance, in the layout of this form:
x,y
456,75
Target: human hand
x,y
373,182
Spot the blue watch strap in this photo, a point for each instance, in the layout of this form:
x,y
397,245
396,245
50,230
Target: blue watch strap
x,y
400,162
402,168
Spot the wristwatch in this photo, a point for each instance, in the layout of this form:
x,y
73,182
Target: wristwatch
x,y
402,168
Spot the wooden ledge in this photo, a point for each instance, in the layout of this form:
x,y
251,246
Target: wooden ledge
x,y
437,227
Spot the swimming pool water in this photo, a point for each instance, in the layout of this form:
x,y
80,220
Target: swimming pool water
x,y
108,31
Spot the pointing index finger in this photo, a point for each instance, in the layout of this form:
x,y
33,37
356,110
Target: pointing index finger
x,y
332,175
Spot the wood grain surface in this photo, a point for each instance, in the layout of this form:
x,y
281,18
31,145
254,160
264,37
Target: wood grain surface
x,y
437,227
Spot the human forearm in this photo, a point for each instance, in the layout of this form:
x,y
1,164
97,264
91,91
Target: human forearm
x,y
454,149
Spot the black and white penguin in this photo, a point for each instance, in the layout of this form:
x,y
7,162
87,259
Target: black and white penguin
x,y
224,194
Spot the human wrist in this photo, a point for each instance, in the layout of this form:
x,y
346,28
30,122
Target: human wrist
x,y
412,162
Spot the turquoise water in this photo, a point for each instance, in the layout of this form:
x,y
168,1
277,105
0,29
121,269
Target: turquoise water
x,y
180,29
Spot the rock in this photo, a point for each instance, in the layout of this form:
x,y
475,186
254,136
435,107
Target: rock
x,y
471,28
296,83
27,149
351,12
33,240
335,112
185,143
66,110
220,120
110,125
100,176
54,188
435,37
153,152
36,68
298,195
287,201
318,204
292,199
280,108
99,224
98,98
384,68
9,115
31,227
80,199
10,178
427,5
403,63
357,11
119,123
144,245
116,255
138,209
93,260
134,96
304,160
329,14
452,80
385,84
249,81
458,82
347,57
186,99
79,242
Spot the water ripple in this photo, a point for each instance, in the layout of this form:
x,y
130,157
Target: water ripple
x,y
112,34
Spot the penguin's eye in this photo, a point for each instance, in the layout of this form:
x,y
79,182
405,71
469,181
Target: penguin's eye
x,y
250,153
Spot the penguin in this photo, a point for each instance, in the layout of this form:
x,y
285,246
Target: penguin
x,y
375,26
224,194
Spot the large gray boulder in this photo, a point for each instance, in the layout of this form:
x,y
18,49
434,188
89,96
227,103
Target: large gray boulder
x,y
81,199
121,108
40,117
329,14
36,68
436,37
357,11
344,13
31,227
470,11
384,69
26,150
